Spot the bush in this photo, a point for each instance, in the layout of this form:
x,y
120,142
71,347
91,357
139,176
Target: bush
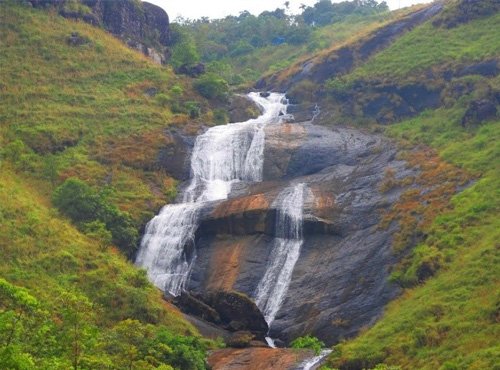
x,y
193,109
91,210
75,199
308,342
212,86
220,116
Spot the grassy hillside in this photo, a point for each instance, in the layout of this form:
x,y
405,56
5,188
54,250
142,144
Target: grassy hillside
x,y
94,110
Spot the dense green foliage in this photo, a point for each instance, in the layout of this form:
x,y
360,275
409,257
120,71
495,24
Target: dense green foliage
x,y
308,342
325,12
90,210
212,86
242,48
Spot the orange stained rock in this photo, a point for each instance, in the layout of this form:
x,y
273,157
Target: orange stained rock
x,y
225,264
324,202
286,135
239,205
257,358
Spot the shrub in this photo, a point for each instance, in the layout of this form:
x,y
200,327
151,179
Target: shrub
x,y
212,86
309,342
193,109
162,99
75,199
220,116
90,210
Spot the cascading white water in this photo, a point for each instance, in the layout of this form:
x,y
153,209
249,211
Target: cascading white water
x,y
229,153
274,284
313,362
221,156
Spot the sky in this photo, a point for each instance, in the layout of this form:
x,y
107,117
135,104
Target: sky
x,y
220,8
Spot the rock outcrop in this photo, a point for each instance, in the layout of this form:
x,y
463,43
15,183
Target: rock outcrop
x,y
480,111
257,359
230,310
340,282
141,25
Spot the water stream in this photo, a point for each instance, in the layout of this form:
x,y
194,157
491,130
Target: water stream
x,y
274,284
221,156
314,362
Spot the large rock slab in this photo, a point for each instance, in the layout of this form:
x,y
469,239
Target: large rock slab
x,y
340,282
257,359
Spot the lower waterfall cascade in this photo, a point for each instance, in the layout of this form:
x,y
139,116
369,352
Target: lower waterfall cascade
x,y
222,156
274,284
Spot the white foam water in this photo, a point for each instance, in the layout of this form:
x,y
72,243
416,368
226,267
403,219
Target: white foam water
x,y
273,286
221,156
312,363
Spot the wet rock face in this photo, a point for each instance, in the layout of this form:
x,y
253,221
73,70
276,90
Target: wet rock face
x,y
257,358
175,156
340,282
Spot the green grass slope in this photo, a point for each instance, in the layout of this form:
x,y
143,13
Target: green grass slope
x,y
68,300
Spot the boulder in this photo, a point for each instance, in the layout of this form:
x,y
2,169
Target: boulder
x,y
242,109
75,39
479,111
193,305
192,70
238,311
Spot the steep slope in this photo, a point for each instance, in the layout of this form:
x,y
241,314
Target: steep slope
x,y
76,102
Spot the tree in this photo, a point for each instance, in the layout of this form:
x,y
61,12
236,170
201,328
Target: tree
x,y
77,315
83,205
184,51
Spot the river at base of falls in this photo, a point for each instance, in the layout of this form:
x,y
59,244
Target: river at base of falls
x,y
222,156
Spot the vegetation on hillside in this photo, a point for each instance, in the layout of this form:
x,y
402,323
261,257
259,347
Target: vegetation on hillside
x,y
80,128
242,48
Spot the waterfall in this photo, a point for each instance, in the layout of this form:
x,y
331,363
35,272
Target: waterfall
x,y
274,284
221,156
